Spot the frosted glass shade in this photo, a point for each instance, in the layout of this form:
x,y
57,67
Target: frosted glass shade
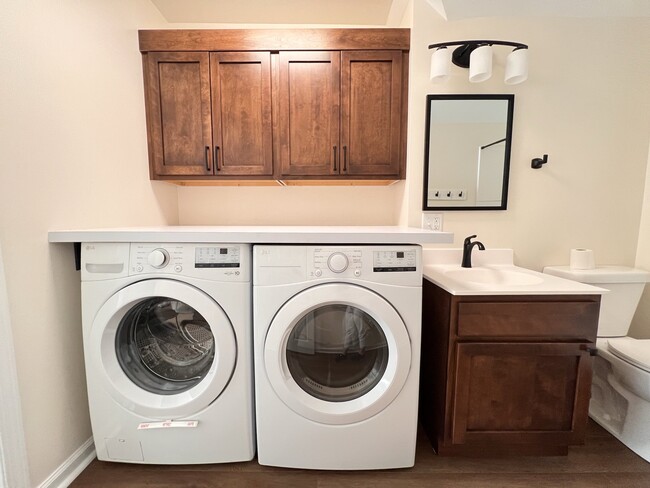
x,y
440,63
516,67
480,64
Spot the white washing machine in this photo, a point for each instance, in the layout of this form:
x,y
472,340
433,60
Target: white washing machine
x,y
167,338
337,355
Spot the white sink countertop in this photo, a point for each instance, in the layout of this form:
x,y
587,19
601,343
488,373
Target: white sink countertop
x,y
258,235
493,273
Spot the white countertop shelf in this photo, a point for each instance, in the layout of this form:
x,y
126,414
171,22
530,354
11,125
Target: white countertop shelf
x,y
257,235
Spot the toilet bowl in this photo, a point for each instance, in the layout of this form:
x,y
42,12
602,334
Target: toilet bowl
x,y
620,392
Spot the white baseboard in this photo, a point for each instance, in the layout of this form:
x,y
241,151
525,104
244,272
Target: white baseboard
x,y
72,467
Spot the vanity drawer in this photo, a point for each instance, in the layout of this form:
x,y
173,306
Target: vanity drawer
x,y
556,319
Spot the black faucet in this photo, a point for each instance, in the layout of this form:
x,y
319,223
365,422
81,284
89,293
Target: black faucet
x,y
468,245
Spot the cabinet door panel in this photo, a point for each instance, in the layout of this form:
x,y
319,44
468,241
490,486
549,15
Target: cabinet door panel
x,y
241,113
371,98
520,391
309,113
178,99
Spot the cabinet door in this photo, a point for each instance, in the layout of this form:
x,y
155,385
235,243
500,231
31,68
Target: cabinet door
x,y
520,393
241,113
309,113
178,103
371,105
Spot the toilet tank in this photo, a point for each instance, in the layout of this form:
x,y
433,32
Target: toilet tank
x,y
625,286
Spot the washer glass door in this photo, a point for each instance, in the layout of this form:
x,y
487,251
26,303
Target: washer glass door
x,y
164,345
162,348
337,353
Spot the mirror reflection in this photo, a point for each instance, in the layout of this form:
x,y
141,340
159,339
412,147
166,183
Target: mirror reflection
x,y
467,152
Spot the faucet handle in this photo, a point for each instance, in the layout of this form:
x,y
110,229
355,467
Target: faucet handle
x,y
468,239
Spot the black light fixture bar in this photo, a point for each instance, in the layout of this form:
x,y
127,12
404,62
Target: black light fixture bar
x,y
462,53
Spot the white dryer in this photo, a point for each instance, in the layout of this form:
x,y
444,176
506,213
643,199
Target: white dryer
x,y
337,355
167,338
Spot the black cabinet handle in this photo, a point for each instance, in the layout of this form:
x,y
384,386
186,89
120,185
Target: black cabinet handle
x,y
334,151
216,157
345,158
207,158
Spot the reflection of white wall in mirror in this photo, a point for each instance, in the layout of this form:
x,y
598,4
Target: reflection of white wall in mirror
x,y
490,174
458,129
453,149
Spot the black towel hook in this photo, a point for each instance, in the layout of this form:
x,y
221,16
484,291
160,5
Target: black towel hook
x,y
538,162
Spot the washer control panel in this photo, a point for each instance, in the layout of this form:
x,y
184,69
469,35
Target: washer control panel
x,y
210,261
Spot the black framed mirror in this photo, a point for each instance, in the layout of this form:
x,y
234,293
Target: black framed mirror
x,y
467,152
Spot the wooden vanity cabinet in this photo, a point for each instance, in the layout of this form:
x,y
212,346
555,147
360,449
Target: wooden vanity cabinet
x,y
506,374
304,104
209,113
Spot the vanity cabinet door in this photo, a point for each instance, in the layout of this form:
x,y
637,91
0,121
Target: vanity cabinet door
x,y
371,108
241,113
309,121
520,393
177,91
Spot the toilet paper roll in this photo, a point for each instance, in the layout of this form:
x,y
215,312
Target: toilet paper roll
x,y
582,259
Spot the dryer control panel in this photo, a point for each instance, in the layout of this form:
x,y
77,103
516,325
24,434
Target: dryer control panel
x,y
392,264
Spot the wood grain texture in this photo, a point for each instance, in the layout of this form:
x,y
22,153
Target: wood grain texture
x,y
309,113
273,39
241,113
525,392
178,107
371,112
601,462
529,319
518,372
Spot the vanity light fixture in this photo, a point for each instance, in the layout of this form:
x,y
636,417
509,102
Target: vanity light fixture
x,y
477,56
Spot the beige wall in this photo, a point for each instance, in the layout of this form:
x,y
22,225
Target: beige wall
x,y
585,104
641,324
72,155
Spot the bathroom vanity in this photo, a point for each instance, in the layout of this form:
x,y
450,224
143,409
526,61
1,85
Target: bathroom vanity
x,y
506,357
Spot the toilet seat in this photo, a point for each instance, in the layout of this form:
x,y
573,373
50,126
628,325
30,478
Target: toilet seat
x,y
634,351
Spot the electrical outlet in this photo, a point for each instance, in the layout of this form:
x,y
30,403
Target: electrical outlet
x,y
432,221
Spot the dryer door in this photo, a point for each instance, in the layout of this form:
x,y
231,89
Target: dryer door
x,y
162,348
337,353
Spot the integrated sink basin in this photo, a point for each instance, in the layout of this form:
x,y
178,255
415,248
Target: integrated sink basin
x,y
494,276
493,273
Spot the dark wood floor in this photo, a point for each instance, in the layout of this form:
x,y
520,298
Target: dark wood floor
x,y
601,462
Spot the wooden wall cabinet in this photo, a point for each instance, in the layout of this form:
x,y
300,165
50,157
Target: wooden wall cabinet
x,y
209,113
263,105
506,374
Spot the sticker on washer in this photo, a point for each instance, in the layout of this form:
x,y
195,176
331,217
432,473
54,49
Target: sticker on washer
x,y
168,424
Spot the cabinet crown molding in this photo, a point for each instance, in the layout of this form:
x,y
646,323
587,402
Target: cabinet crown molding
x,y
273,39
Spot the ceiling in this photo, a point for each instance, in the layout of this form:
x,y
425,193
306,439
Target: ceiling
x,y
383,12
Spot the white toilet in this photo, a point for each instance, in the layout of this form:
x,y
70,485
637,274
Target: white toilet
x,y
620,392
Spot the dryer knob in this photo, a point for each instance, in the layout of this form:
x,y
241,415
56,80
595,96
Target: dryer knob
x,y
158,258
337,262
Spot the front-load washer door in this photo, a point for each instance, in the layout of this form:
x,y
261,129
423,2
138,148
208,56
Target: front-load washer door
x,y
162,348
337,353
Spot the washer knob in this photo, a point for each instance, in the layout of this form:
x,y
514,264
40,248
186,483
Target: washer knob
x,y
158,258
337,262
